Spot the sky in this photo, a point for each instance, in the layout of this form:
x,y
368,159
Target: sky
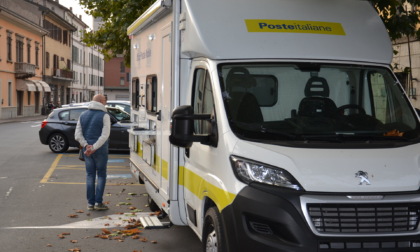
x,y
77,10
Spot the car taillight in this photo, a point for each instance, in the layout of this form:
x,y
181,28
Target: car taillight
x,y
44,123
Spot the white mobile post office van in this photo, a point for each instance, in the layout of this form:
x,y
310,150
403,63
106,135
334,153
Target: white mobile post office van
x,y
275,125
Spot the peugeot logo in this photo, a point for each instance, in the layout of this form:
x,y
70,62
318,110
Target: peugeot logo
x,y
363,176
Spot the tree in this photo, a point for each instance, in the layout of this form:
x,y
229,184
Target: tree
x,y
117,15
399,19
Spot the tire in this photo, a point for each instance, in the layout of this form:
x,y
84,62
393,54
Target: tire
x,y
152,204
213,232
58,143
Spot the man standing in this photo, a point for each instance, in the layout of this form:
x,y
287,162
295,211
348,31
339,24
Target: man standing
x,y
92,132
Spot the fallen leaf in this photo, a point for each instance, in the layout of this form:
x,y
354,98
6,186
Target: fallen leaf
x,y
105,231
49,245
143,239
132,194
80,211
131,232
73,215
73,241
154,242
75,250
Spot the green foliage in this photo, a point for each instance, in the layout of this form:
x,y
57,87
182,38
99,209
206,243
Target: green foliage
x,y
398,21
119,14
116,15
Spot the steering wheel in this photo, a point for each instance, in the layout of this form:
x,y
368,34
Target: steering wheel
x,y
352,108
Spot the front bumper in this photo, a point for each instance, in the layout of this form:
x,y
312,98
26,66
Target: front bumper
x,y
264,218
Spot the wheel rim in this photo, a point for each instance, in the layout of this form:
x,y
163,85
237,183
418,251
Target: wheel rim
x,y
211,243
57,143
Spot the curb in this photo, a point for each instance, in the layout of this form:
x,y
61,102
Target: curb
x,y
24,119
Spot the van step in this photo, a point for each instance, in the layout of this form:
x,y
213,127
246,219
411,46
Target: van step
x,y
150,222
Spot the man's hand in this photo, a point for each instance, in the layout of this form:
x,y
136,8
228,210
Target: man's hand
x,y
89,150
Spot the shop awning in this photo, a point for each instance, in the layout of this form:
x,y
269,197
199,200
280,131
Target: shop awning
x,y
38,86
45,86
25,85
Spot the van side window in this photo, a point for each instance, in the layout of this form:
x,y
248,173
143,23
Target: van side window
x,y
151,93
203,102
135,92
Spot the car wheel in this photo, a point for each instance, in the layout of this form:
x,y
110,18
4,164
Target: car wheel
x,y
213,232
58,143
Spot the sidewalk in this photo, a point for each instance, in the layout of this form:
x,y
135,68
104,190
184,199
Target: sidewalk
x,y
24,119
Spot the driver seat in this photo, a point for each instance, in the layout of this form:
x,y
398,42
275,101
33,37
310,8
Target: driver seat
x,y
316,102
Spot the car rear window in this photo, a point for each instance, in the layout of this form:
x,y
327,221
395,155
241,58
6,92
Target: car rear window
x,y
70,115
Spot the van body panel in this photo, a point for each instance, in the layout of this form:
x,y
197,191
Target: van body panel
x,y
268,119
335,170
207,36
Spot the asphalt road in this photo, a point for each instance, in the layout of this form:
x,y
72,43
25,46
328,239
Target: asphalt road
x,y
43,206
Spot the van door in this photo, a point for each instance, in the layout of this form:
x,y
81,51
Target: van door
x,y
164,115
200,159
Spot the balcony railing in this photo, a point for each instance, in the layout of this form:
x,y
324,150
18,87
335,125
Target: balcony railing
x,y
62,73
24,70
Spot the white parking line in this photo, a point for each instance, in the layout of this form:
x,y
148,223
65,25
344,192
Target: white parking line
x,y
9,192
109,221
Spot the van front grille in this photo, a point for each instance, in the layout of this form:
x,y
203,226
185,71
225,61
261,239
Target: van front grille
x,y
364,218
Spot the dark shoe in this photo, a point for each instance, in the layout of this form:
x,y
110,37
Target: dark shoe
x,y
90,207
101,207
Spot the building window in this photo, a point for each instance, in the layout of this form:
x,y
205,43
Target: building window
x,y
65,37
9,45
122,81
9,94
28,47
37,54
47,60
29,97
55,61
55,32
19,48
122,67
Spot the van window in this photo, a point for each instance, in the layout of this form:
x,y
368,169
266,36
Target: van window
x,y
202,100
294,102
151,93
135,93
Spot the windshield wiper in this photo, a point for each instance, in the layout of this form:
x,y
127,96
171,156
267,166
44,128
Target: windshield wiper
x,y
258,128
358,136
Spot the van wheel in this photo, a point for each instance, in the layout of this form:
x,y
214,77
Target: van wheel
x,y
213,232
58,143
152,204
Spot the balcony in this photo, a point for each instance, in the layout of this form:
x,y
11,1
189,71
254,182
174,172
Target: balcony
x,y
63,74
24,70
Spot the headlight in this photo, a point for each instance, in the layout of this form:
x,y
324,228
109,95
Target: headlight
x,y
251,171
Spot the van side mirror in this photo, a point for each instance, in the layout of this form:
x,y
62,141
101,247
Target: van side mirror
x,y
182,128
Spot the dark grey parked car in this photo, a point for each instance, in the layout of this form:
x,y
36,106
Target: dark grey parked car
x,y
57,131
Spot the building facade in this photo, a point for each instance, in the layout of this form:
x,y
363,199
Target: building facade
x,y
117,79
22,39
116,76
88,65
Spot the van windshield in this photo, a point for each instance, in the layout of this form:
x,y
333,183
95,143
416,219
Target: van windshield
x,y
316,102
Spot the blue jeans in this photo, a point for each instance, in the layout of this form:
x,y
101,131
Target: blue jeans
x,y
96,166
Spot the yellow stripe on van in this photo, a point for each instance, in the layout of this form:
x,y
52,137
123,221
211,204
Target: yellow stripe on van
x,y
294,26
200,188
